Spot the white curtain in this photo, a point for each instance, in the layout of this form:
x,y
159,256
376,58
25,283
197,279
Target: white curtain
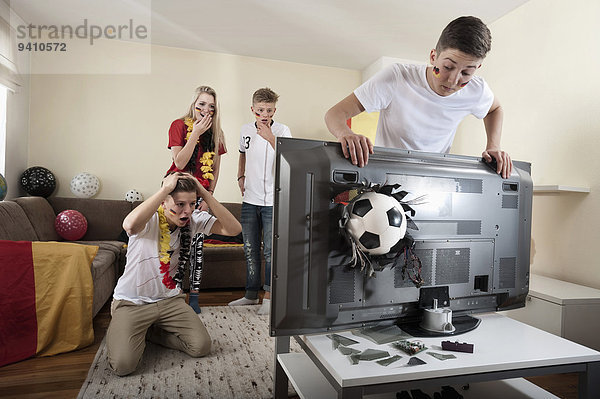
x,y
9,75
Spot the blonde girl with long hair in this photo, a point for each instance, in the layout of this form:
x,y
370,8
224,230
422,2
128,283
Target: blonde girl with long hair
x,y
197,142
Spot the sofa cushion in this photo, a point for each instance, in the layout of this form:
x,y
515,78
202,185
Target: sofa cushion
x,y
15,225
41,215
104,260
104,285
235,208
218,253
104,217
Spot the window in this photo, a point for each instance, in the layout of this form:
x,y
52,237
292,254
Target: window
x,y
3,103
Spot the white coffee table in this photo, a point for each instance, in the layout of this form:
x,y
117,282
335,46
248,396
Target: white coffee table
x,y
504,349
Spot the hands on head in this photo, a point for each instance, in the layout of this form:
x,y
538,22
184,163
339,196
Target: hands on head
x,y
170,182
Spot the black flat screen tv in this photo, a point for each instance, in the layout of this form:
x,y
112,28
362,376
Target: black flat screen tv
x,y
473,237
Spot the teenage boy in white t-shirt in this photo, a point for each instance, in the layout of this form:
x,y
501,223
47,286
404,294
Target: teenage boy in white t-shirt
x,y
421,106
147,301
255,179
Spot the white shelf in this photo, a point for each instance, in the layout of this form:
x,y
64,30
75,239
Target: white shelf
x,y
562,308
560,189
562,292
305,377
310,383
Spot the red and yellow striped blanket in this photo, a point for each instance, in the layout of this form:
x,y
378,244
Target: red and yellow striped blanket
x,y
46,294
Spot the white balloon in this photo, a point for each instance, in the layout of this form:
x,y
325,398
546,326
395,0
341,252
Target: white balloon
x,y
85,185
133,195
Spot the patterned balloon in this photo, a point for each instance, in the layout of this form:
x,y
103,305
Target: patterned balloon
x,y
133,195
3,187
85,185
70,225
38,181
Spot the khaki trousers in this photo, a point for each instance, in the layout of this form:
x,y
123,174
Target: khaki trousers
x,y
169,322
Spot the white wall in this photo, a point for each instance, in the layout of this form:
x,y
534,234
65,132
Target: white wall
x,y
544,69
17,138
17,119
116,126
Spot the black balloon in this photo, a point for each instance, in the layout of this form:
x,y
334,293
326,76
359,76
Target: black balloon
x,y
38,181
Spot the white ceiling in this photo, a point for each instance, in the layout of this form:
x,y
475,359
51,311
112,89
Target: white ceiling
x,y
340,33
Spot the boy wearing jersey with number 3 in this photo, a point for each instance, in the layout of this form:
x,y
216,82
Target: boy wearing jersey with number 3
x,y
255,179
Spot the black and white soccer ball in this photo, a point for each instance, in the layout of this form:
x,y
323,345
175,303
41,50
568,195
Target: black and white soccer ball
x,y
376,222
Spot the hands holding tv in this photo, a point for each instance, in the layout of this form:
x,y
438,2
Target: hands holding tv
x,y
356,147
498,160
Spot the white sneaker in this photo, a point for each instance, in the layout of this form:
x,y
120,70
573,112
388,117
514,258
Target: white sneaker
x,y
265,307
243,302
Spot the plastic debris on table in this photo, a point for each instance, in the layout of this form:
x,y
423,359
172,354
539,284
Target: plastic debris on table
x,y
442,356
369,355
415,361
382,334
338,340
347,351
389,360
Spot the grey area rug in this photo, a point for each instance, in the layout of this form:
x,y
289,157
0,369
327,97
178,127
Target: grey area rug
x,y
240,364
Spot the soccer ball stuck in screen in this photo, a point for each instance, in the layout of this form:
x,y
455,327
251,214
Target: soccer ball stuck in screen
x,y
376,222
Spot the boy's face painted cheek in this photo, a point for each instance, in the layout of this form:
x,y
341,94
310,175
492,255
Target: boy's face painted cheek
x,y
180,214
180,208
263,112
452,70
448,80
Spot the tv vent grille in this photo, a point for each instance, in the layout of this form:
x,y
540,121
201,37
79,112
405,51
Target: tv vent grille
x,y
452,265
426,257
468,227
341,289
510,201
508,273
473,186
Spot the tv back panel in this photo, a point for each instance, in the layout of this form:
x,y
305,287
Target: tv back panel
x,y
473,237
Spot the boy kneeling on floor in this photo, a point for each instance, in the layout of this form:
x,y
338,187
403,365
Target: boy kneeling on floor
x,y
148,301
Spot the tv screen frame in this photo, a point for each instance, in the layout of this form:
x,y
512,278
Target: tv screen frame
x,y
473,237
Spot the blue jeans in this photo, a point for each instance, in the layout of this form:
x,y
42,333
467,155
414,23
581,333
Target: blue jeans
x,y
257,222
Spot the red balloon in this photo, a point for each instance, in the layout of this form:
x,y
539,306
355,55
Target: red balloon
x,y
70,225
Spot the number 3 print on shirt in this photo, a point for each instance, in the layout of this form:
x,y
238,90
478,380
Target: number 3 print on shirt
x,y
247,140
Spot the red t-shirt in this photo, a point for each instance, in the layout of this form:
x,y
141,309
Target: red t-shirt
x,y
177,133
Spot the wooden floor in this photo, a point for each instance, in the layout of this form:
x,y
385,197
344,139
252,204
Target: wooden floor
x,y
61,376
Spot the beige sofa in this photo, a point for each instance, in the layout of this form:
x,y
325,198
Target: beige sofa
x,y
32,219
